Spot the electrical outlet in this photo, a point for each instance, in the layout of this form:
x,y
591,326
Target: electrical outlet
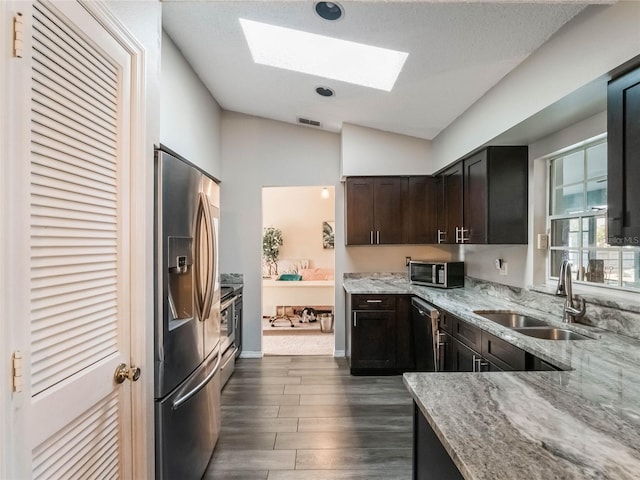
x,y
503,270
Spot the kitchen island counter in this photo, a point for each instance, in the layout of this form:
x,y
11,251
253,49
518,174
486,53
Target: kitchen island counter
x,y
575,424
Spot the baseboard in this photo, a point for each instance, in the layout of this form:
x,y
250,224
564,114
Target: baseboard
x,y
248,354
338,353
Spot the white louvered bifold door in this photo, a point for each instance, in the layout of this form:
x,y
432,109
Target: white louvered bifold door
x,y
80,90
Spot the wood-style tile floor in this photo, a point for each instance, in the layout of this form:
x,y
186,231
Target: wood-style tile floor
x,y
306,418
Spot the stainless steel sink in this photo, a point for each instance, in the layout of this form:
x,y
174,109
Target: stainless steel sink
x,y
510,319
551,333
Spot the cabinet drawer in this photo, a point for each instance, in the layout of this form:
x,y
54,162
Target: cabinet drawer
x,y
373,302
502,353
468,334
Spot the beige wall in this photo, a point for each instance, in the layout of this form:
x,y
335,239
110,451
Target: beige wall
x,y
299,213
259,153
190,116
367,151
392,258
587,48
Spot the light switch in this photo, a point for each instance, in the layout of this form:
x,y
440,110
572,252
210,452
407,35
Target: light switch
x,y
542,241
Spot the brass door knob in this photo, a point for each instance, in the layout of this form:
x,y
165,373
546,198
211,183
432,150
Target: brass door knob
x,y
123,372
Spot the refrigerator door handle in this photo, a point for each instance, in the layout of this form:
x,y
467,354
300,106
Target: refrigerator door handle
x,y
204,296
180,401
200,294
208,303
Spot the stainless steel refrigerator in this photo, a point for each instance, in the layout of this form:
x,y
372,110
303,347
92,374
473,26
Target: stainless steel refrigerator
x,y
187,324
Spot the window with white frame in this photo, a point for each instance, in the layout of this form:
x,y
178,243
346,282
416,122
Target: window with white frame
x,y
577,221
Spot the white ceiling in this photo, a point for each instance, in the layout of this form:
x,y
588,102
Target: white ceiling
x,y
457,51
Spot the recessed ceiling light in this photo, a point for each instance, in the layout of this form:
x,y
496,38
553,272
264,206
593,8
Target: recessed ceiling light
x,y
323,56
328,10
325,91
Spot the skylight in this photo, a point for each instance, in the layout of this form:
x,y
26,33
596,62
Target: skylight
x,y
326,57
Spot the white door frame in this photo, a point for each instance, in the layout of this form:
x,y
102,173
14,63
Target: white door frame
x,y
14,204
141,244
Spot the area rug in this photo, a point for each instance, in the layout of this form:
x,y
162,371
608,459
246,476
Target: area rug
x,y
308,343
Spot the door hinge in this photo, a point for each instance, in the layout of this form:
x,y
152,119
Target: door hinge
x,y
17,371
18,35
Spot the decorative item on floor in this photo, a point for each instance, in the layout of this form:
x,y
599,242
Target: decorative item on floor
x,y
282,313
327,234
271,243
326,322
284,328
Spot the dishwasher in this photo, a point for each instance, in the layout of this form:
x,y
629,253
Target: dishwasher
x,y
424,318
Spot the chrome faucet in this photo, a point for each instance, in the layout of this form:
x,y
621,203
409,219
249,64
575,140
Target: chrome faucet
x,y
569,313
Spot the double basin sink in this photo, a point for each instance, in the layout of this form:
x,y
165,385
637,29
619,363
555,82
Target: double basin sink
x,y
532,327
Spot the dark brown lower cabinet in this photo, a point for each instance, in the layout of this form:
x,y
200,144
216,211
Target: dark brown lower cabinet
x,y
501,354
465,359
382,341
373,343
430,459
471,349
381,334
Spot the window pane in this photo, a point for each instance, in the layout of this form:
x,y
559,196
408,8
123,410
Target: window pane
x,y
594,232
569,169
569,199
594,269
597,161
631,269
597,194
602,266
565,232
557,256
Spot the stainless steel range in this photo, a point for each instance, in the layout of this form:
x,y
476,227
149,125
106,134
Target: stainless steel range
x,y
230,329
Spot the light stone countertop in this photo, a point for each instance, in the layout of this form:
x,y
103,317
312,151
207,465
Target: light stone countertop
x,y
583,423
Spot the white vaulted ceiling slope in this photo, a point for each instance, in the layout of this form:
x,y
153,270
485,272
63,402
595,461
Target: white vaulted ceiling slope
x,y
457,52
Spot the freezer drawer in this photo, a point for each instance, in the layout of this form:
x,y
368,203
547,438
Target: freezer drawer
x,y
188,424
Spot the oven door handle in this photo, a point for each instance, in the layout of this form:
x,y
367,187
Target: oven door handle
x,y
227,303
180,401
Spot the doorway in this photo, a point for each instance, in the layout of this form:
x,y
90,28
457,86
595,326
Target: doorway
x,y
298,265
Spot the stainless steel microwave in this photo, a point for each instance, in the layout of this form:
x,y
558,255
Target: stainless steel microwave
x,y
436,274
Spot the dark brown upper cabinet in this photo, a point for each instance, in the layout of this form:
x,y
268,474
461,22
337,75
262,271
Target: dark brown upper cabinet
x,y
485,198
421,215
496,196
375,210
450,219
623,144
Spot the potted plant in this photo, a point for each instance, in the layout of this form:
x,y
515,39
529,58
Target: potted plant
x,y
271,243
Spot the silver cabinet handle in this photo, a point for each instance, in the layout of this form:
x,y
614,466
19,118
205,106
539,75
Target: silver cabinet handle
x,y
355,319
479,363
374,301
378,237
460,235
442,235
371,238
